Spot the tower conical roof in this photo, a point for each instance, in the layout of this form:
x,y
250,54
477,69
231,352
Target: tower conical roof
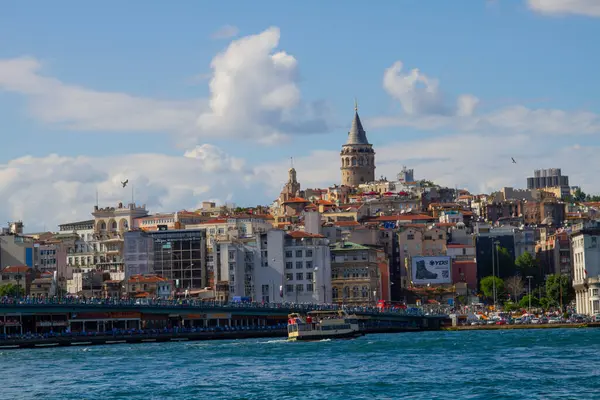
x,y
357,134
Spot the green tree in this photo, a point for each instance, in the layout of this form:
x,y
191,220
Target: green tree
x,y
524,303
557,285
487,286
546,303
510,306
579,195
527,265
11,290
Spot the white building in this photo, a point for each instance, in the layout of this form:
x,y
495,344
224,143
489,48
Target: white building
x,y
586,270
277,267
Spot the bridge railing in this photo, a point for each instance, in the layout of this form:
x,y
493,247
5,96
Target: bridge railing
x,y
98,303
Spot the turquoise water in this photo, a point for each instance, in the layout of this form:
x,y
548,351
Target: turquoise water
x,y
533,364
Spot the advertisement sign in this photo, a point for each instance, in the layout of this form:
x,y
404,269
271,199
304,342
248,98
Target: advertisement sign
x,y
431,270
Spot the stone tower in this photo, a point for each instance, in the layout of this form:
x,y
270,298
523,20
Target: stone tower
x,y
357,155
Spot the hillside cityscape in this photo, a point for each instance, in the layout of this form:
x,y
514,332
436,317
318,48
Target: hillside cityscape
x,y
361,241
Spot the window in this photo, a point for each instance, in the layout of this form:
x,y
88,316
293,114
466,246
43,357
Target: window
x,y
440,237
309,276
299,288
299,253
410,236
299,264
289,277
309,287
231,266
289,288
594,292
309,253
232,255
289,265
309,264
299,276
288,254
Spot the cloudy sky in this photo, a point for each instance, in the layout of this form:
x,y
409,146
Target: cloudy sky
x,y
202,101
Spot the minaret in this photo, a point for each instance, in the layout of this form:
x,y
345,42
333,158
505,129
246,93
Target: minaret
x,y
357,155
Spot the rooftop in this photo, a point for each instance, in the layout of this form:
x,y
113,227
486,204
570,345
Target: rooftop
x,y
347,246
302,235
357,134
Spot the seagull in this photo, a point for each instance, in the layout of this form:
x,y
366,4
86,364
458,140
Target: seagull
x,y
513,160
125,183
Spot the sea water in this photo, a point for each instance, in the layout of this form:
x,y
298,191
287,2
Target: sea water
x,y
505,364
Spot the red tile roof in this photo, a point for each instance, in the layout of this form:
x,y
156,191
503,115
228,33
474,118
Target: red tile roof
x,y
346,223
296,200
459,246
146,279
301,234
324,203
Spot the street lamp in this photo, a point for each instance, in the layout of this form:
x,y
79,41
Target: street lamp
x,y
529,290
493,276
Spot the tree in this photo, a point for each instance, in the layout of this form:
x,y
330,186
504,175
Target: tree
x,y
557,285
524,303
487,286
11,290
514,285
510,306
527,265
579,195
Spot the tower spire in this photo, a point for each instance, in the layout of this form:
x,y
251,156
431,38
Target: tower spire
x,y
355,105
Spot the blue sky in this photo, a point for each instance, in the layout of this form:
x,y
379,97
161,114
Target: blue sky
x,y
507,54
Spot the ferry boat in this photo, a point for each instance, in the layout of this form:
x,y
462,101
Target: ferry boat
x,y
319,325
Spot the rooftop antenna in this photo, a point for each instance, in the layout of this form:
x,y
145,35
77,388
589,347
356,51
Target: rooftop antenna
x,y
97,202
132,197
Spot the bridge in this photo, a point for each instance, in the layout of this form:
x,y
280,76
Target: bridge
x,y
27,323
195,308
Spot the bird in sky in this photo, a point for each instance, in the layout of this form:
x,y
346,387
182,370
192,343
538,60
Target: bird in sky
x,y
125,183
513,160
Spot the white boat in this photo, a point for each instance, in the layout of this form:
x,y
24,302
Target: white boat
x,y
319,325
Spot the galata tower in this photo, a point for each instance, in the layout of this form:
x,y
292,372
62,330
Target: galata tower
x,y
357,155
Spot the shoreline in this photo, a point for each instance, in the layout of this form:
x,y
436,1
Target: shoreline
x,y
526,326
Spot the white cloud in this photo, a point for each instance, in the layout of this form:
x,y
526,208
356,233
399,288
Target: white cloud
x,y
590,8
225,32
479,163
424,108
419,94
54,189
78,108
254,94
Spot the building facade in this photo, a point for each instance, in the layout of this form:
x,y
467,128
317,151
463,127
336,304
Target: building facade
x,y
277,267
585,248
180,256
355,274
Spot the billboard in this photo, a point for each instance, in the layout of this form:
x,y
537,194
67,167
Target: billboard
x,y
431,270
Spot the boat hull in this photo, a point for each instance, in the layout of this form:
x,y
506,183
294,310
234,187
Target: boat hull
x,y
316,338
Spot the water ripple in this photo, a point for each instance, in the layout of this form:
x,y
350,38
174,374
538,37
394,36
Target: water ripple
x,y
536,364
